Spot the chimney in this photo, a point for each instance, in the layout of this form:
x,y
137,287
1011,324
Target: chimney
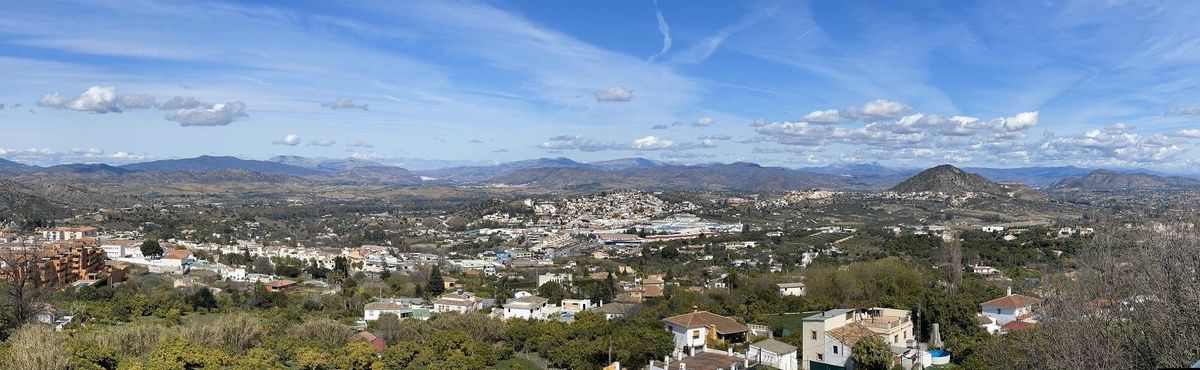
x,y
729,351
746,362
617,365
1009,290
666,362
682,366
695,308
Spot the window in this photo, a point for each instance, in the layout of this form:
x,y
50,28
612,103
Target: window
x,y
814,335
835,350
696,334
820,357
895,339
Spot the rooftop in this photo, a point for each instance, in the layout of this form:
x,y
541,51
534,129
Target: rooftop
x,y
851,334
723,325
1011,301
525,303
774,346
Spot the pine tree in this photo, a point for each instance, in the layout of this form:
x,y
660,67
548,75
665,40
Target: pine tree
x,y
436,285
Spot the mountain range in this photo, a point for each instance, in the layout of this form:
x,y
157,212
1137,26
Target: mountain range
x,y
1108,181
564,173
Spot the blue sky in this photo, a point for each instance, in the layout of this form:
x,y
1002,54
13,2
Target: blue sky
x,y
908,83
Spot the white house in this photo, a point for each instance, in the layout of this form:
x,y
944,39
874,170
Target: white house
x,y
993,229
561,279
692,331
1012,307
372,311
829,335
984,270
457,302
778,354
114,249
576,305
794,289
527,308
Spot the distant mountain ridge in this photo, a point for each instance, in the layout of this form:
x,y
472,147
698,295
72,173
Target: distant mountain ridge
x,y
219,163
1105,180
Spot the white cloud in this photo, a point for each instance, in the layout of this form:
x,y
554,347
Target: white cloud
x,y
1020,122
614,94
344,103
1191,133
828,117
180,102
575,142
97,99
663,28
704,122
52,100
715,137
289,140
220,114
878,109
322,142
1189,111
653,143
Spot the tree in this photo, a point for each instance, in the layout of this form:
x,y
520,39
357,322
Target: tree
x,y
436,285
669,252
203,298
552,291
870,353
21,285
151,248
604,291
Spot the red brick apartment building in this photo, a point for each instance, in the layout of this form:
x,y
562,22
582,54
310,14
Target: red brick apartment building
x,y
55,265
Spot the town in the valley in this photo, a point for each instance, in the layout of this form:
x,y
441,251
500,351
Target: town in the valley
x,y
803,279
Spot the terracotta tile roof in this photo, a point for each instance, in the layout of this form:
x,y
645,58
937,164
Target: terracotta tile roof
x,y
652,291
1011,301
850,334
1018,325
982,319
723,325
378,343
280,283
177,254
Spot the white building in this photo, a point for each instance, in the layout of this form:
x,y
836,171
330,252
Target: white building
x,y
1012,307
576,305
372,311
114,248
526,308
457,302
692,331
778,354
67,233
561,279
984,270
993,229
829,335
793,289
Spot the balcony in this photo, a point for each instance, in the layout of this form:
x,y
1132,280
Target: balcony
x,y
885,323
